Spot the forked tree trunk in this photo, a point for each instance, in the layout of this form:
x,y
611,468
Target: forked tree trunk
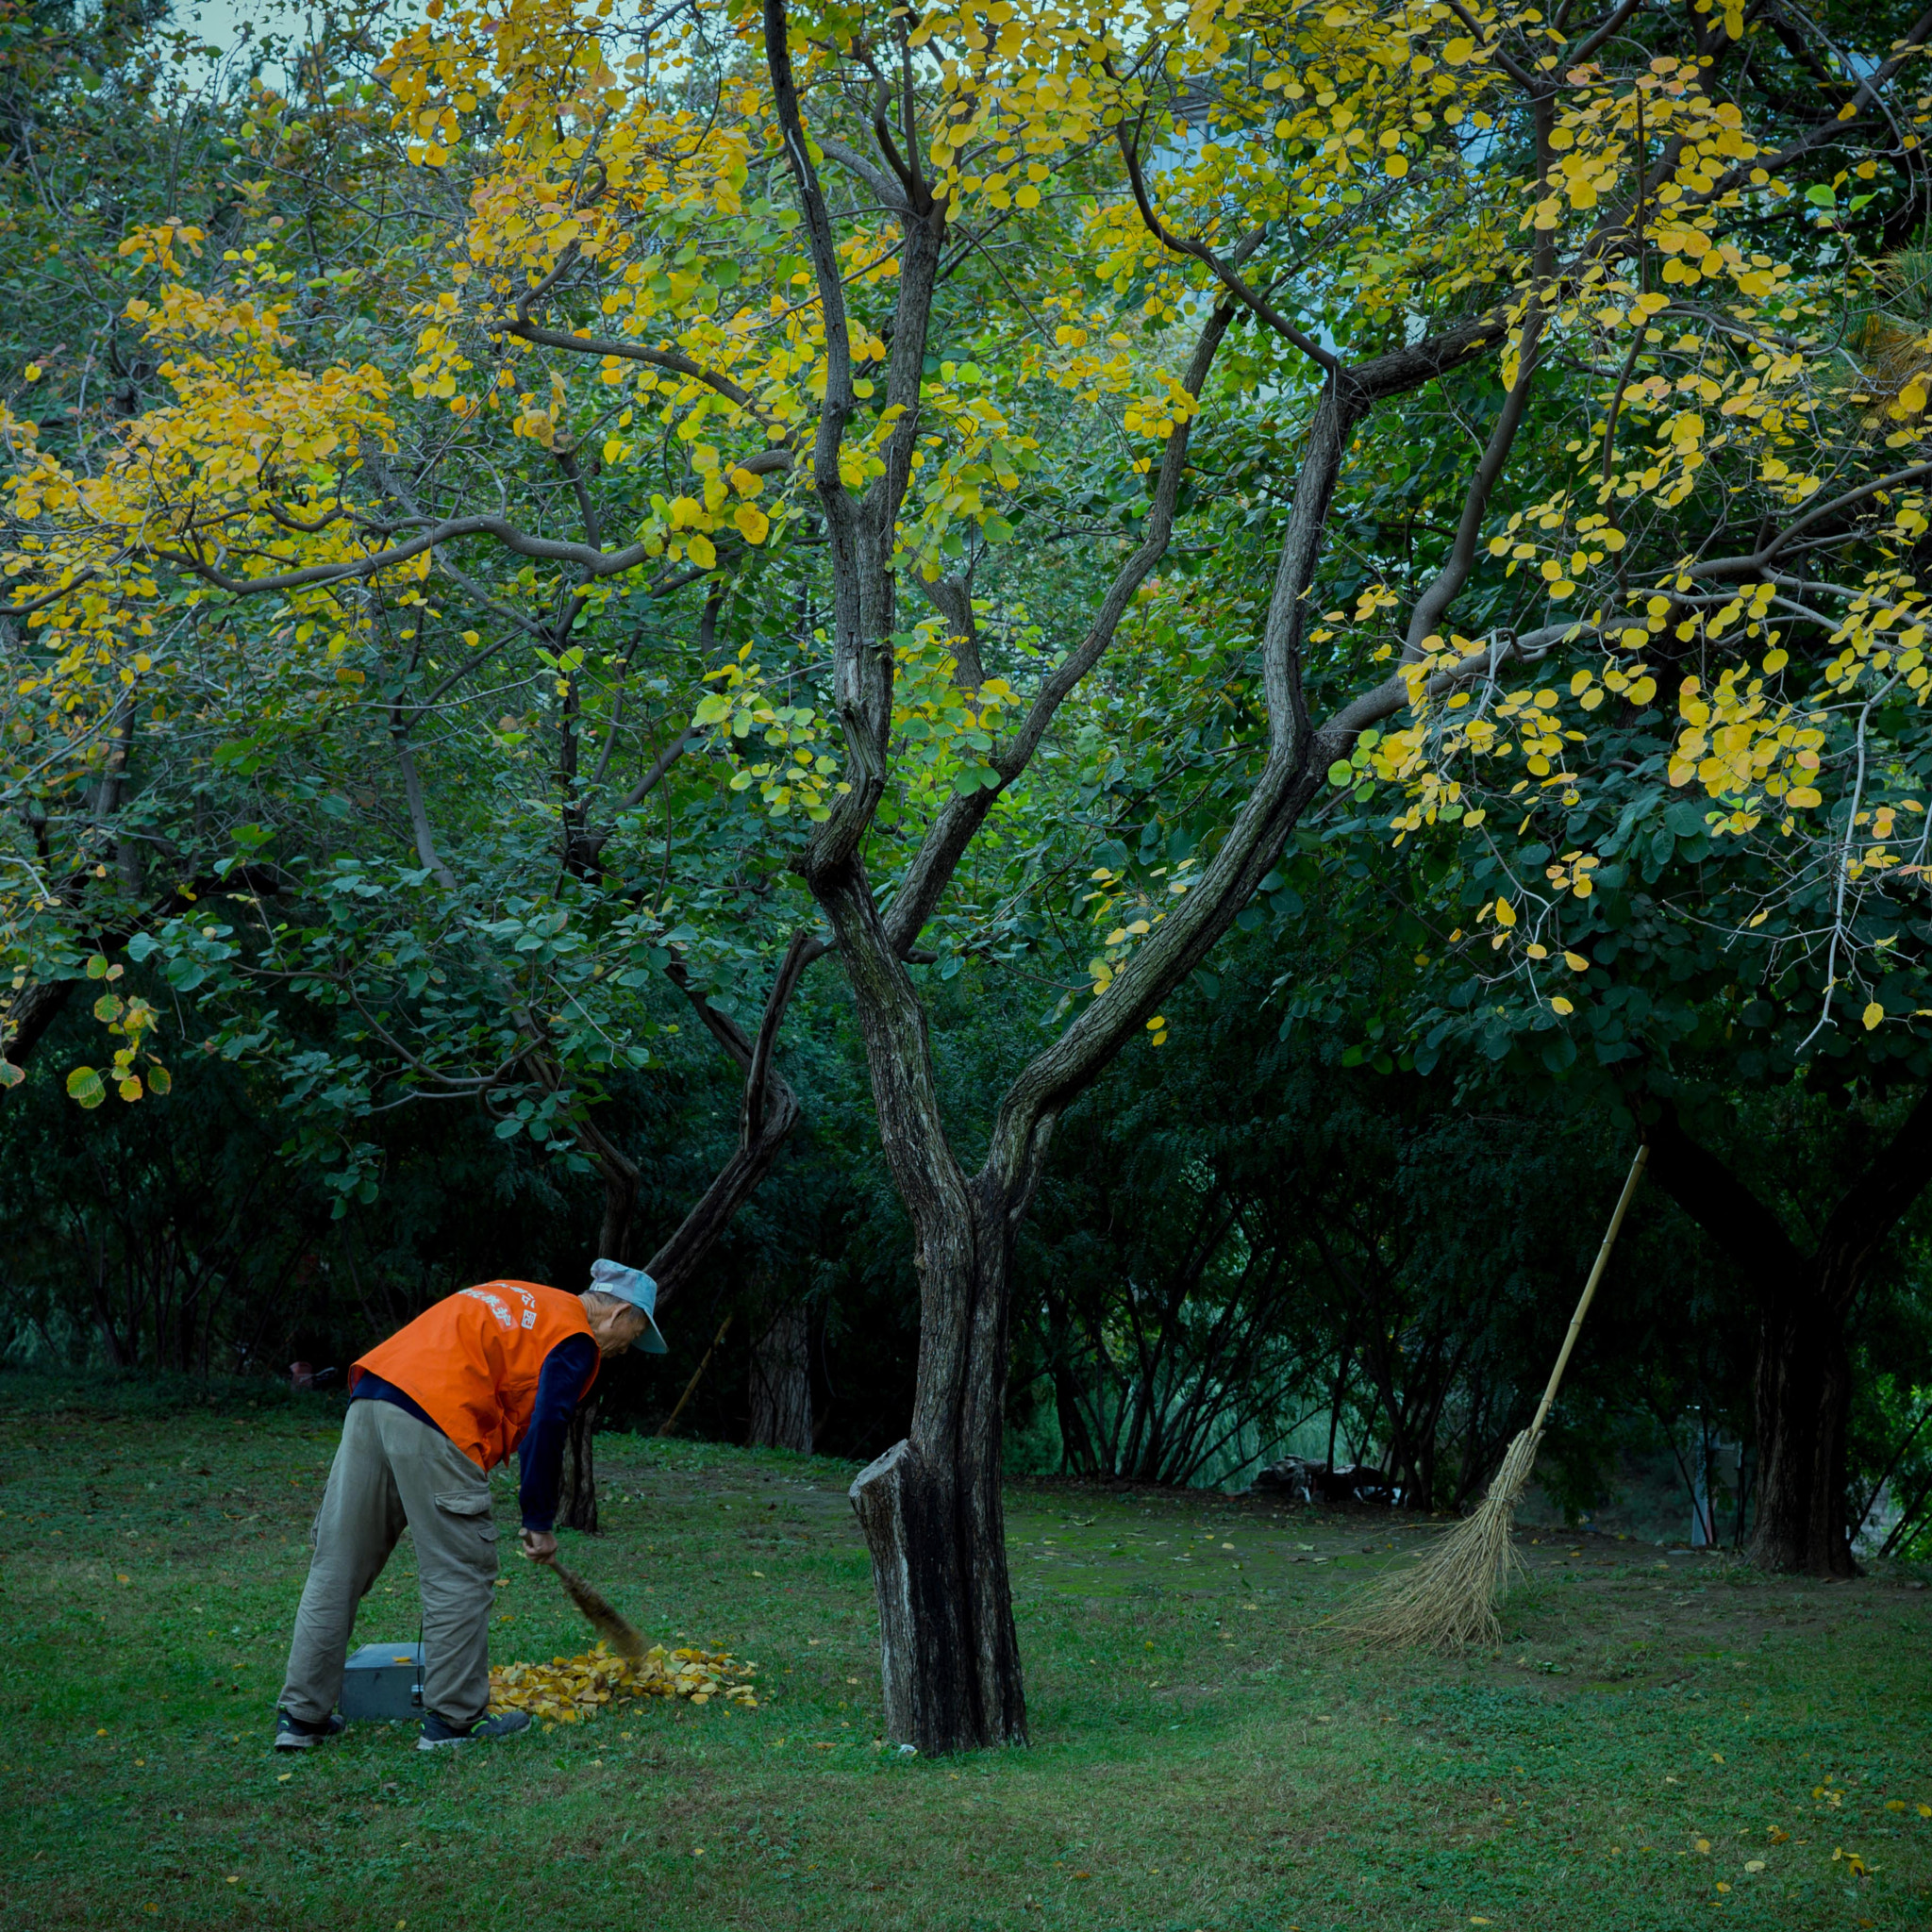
x,y
931,1507
781,1382
930,1510
1804,1396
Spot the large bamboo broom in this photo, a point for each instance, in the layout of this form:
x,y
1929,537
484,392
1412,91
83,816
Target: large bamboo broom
x,y
1449,1598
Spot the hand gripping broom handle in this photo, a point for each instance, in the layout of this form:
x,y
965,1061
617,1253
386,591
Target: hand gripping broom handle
x,y
1597,1275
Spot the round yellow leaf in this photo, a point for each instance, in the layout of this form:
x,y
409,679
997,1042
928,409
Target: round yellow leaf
x,y
1395,166
1873,1014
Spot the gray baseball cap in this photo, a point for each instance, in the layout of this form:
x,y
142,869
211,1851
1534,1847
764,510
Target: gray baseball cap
x,y
634,1285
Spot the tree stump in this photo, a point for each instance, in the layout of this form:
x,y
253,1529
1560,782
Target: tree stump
x,y
949,1653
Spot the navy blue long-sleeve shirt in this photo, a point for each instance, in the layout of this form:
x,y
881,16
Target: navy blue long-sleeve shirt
x,y
561,1385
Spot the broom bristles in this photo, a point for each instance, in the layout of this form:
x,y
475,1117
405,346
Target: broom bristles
x,y
607,1620
1448,1599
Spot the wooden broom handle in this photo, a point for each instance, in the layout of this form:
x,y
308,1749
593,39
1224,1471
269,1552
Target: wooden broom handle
x,y
1597,1275
670,1422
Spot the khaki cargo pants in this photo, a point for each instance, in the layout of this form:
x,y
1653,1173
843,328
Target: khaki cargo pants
x,y
391,1471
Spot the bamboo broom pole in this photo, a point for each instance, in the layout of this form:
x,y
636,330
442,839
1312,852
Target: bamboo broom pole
x,y
1597,1275
670,1422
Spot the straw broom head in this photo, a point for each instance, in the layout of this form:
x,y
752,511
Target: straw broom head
x,y
607,1620
1449,1598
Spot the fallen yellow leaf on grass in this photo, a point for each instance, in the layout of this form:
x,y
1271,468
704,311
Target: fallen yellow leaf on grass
x,y
570,1689
1754,1864
1703,1844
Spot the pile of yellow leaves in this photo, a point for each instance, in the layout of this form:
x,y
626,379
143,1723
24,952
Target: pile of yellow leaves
x,y
568,1690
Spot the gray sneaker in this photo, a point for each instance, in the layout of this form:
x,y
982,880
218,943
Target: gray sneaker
x,y
298,1734
438,1733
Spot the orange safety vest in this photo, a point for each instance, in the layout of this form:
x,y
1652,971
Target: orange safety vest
x,y
473,1360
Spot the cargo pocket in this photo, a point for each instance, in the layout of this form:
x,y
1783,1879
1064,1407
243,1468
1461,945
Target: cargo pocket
x,y
474,1504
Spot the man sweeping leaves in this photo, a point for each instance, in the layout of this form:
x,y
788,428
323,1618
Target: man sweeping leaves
x,y
432,1412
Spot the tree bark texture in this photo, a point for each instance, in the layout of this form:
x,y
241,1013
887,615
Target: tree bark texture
x,y
930,1508
781,1382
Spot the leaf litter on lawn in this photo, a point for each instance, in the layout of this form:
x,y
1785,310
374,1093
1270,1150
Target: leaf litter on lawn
x,y
568,1690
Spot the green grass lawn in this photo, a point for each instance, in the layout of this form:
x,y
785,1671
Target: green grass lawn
x,y
1665,1739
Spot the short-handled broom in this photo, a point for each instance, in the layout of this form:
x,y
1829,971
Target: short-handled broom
x,y
1448,1599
